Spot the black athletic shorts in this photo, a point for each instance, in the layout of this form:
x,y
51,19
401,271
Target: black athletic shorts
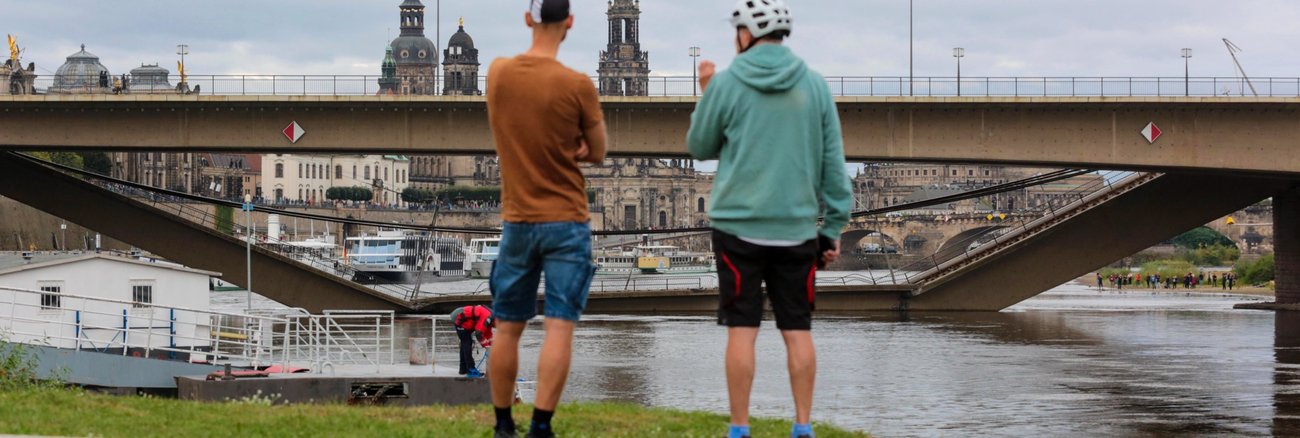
x,y
743,267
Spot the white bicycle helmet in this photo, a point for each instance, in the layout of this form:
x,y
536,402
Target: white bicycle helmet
x,y
762,17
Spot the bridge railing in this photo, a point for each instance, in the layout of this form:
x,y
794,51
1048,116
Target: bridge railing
x,y
678,86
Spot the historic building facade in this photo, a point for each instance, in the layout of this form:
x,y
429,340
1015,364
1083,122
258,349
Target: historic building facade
x,y
304,179
624,69
888,184
460,65
641,193
415,57
433,172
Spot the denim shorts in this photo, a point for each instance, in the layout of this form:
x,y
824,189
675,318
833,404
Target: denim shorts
x,y
561,251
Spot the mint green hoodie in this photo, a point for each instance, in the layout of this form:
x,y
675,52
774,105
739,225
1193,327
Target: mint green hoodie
x,y
773,126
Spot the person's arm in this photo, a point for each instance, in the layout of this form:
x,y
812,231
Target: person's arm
x,y
837,192
487,336
594,142
708,125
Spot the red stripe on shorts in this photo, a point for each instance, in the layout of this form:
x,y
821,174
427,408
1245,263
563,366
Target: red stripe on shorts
x,y
734,271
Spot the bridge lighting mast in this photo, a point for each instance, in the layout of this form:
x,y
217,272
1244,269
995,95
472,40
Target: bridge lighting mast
x,y
959,53
1187,72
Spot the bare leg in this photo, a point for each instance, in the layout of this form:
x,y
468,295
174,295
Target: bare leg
x,y
503,363
553,363
802,359
740,371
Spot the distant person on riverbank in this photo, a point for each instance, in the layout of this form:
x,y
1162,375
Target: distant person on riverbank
x,y
545,118
471,322
772,124
1099,280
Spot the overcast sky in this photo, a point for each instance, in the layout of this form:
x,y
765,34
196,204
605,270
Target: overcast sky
x,y
849,37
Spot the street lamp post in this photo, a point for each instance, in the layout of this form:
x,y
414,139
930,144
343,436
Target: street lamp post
x,y
248,249
63,231
959,53
910,50
695,57
1187,72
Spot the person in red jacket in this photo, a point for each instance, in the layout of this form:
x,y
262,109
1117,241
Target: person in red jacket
x,y
471,320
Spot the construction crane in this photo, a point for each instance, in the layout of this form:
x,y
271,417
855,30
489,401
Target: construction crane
x,y
1232,50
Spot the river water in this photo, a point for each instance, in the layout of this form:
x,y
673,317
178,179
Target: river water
x,y
1072,361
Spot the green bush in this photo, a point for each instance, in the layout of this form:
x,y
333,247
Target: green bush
x,y
70,159
1257,272
97,162
1168,268
1202,237
462,193
225,220
413,195
357,194
1212,255
17,365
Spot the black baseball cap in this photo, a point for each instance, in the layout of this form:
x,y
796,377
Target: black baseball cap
x,y
549,11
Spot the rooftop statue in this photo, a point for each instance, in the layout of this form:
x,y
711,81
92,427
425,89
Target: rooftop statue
x,y
13,49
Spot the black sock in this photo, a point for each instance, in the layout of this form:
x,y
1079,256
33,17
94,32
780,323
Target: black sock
x,y
504,420
542,422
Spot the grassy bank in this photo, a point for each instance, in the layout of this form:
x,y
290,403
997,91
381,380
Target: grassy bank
x,y
63,412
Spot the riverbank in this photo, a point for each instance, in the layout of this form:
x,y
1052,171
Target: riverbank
x,y
71,412
1090,281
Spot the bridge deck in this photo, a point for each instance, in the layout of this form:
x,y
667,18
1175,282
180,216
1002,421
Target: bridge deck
x,y
1204,134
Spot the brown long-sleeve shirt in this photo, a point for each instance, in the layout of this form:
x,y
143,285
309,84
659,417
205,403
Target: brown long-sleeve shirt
x,y
538,110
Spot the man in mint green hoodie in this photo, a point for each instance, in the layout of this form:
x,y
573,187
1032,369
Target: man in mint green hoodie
x,y
773,126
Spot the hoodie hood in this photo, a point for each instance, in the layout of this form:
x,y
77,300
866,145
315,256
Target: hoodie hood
x,y
769,68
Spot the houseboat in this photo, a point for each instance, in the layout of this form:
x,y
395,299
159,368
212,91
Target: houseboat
x,y
653,259
397,257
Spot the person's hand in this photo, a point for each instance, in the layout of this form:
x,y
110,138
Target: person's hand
x,y
831,255
583,150
707,70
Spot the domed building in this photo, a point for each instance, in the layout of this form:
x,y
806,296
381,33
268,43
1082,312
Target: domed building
x,y
460,65
415,55
82,73
150,79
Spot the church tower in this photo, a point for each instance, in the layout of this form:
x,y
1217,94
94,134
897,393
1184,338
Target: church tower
x,y
624,68
460,65
415,55
388,82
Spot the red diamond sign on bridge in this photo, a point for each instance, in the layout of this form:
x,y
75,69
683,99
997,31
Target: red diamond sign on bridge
x,y
293,132
1151,132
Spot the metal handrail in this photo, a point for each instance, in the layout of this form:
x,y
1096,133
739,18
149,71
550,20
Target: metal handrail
x,y
203,335
664,86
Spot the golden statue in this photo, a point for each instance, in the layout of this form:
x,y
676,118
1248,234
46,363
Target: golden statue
x,y
13,49
462,21
180,68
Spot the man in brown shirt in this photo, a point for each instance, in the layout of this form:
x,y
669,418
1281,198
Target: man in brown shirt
x,y
545,118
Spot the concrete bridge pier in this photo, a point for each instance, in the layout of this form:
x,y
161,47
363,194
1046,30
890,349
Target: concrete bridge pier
x,y
1286,246
1286,253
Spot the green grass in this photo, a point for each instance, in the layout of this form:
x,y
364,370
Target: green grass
x,y
70,412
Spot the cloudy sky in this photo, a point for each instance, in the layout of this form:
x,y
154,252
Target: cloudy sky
x,y
841,37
